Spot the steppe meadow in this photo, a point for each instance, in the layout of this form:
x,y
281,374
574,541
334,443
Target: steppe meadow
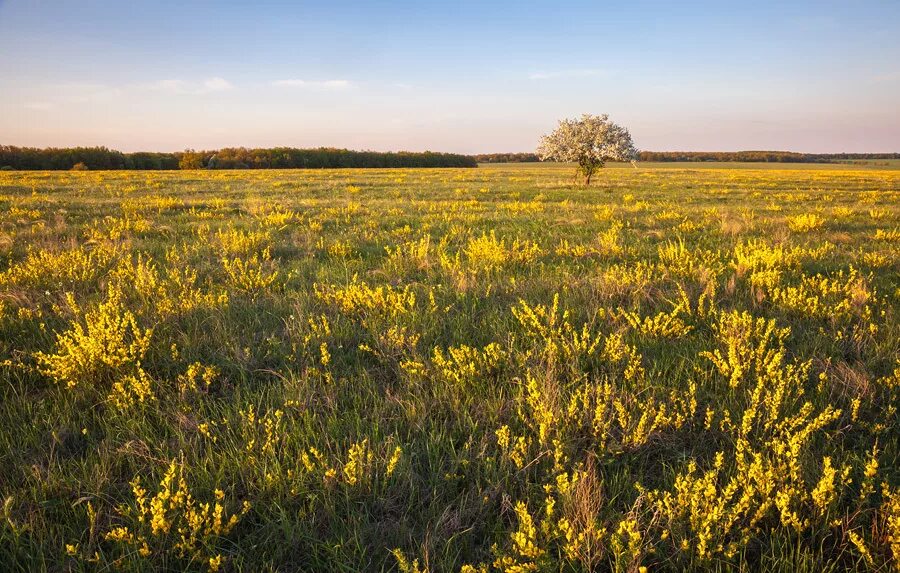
x,y
429,286
679,367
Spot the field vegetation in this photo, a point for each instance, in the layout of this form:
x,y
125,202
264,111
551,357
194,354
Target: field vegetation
x,y
450,370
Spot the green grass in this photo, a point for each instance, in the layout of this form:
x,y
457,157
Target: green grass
x,y
388,370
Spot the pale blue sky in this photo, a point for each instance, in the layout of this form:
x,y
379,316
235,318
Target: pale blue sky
x,y
462,76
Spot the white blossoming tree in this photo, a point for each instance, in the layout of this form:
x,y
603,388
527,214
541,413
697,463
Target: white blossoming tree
x,y
590,142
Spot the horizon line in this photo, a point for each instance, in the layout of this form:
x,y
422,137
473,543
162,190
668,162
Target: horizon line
x,y
365,150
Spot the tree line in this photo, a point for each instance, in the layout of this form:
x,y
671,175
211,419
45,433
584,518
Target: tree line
x,y
507,157
56,158
99,158
761,156
745,156
322,157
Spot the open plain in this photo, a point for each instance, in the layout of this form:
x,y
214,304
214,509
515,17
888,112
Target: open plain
x,y
681,366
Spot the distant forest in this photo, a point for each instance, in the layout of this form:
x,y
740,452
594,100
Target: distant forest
x,y
507,158
748,156
98,158
30,158
762,156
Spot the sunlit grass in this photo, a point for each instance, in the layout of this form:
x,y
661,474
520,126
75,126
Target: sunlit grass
x,y
450,370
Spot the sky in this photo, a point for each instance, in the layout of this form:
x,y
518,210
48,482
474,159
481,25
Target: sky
x,y
460,76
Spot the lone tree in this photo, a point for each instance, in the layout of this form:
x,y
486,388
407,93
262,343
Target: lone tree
x,y
590,142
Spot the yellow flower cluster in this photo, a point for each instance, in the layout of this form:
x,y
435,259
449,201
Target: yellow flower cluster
x,y
758,256
261,434
404,565
273,215
550,328
253,274
170,292
627,544
134,389
392,343
662,325
412,255
839,297
611,241
892,235
236,242
513,447
616,419
826,491
151,203
359,299
487,252
172,521
197,379
574,250
43,268
890,511
806,222
463,364
104,344
114,229
360,467
748,347
359,458
340,249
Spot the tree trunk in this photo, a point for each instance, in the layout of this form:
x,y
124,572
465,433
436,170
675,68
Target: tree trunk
x,y
587,169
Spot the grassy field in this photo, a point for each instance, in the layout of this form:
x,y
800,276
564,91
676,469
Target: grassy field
x,y
450,370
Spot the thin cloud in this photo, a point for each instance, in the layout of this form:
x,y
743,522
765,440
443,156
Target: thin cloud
x,y
39,105
217,85
171,86
585,73
86,92
182,87
66,94
314,84
887,77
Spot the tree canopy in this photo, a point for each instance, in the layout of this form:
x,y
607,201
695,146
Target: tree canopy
x,y
590,142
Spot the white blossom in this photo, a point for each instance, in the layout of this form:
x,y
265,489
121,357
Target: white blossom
x,y
590,142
